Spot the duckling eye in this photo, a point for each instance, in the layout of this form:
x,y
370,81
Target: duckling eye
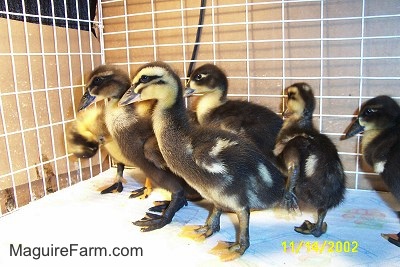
x,y
198,77
369,111
144,79
97,81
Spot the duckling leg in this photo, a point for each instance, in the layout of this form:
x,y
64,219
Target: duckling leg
x,y
200,233
290,199
316,229
143,192
178,200
117,187
190,194
152,153
320,227
291,160
228,251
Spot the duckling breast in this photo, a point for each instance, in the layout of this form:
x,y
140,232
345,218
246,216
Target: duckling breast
x,y
118,119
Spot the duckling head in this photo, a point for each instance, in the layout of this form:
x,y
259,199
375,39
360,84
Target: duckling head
x,y
105,81
207,79
378,113
300,101
155,80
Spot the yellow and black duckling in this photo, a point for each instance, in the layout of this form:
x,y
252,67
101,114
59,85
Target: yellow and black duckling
x,y
84,137
302,150
379,120
260,124
130,128
86,134
89,131
229,171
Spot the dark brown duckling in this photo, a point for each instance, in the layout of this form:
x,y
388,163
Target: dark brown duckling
x,y
131,130
228,170
260,124
379,120
301,149
86,134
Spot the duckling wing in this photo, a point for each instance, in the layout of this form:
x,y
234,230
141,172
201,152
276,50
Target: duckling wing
x,y
391,170
380,147
207,151
248,114
153,154
257,122
384,154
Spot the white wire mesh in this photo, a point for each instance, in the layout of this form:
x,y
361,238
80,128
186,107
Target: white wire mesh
x,y
347,50
42,73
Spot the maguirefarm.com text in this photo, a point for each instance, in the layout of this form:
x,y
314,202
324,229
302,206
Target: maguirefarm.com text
x,y
73,250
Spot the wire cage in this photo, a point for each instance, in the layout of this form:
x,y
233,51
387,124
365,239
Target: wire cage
x,y
348,51
47,48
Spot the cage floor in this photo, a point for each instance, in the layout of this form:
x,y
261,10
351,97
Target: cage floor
x,y
81,219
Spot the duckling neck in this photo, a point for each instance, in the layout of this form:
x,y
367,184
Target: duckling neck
x,y
208,102
171,121
303,122
367,138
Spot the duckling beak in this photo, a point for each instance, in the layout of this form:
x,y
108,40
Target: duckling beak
x,y
354,129
188,92
129,97
86,100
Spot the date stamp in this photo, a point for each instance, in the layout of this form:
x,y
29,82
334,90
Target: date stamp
x,y
326,246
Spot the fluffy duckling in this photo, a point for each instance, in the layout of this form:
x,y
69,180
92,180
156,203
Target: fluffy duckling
x,y
229,171
301,150
84,137
258,123
379,119
131,129
86,134
89,131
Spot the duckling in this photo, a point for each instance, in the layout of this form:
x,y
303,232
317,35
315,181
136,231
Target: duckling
x,y
379,120
225,168
300,149
89,131
131,129
258,123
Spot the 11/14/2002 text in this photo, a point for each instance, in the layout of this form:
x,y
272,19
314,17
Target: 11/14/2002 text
x,y
320,247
